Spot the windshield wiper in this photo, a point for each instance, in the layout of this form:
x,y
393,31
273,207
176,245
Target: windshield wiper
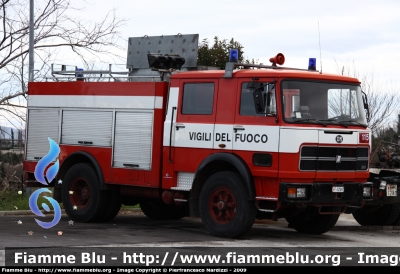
x,y
343,123
336,121
353,121
310,119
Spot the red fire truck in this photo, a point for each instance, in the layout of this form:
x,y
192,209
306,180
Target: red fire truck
x,y
228,146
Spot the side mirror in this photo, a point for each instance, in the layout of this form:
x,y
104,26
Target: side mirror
x,y
366,106
259,101
257,89
255,86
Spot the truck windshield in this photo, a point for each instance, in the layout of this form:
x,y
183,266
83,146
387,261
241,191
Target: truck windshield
x,y
322,103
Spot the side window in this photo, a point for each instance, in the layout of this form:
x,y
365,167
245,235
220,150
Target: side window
x,y
198,98
247,107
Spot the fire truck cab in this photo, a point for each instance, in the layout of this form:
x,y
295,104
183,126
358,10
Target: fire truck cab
x,y
229,146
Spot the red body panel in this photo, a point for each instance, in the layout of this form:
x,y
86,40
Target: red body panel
x,y
103,155
168,161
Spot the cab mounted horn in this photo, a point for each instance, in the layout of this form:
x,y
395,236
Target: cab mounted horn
x,y
278,59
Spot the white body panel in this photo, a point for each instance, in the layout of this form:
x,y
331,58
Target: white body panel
x,y
329,136
194,135
172,102
223,136
90,101
251,138
292,138
256,138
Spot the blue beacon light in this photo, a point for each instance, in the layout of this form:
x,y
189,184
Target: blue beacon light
x,y
312,63
233,55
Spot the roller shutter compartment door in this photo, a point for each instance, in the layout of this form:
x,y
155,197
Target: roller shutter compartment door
x,y
133,139
87,127
42,124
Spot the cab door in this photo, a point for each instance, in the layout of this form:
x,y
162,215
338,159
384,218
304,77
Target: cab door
x,y
256,136
225,117
194,127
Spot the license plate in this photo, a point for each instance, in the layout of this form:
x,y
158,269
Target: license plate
x,y
391,190
338,189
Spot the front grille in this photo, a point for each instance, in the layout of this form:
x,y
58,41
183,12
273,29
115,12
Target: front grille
x,y
308,165
362,152
309,151
317,158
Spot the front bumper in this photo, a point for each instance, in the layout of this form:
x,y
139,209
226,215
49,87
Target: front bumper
x,y
322,194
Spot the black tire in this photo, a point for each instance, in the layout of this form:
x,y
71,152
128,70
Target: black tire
x,y
394,217
157,210
57,194
114,207
387,214
224,207
91,202
397,221
311,222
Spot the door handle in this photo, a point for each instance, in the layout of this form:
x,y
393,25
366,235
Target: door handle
x,y
131,165
178,126
85,142
238,128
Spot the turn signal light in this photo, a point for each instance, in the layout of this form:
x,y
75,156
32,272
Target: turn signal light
x,y
296,192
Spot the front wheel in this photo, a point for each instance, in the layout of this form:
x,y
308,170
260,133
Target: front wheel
x,y
224,207
310,221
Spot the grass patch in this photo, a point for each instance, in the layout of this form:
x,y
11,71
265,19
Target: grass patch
x,y
129,207
12,200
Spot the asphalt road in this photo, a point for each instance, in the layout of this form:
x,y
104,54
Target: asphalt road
x,y
133,229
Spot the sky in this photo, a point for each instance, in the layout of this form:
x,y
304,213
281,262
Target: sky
x,y
366,33
360,33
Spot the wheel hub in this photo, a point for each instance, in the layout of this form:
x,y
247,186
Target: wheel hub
x,y
222,205
85,193
80,193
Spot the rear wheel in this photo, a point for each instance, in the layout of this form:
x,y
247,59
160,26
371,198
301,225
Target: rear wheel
x,y
81,195
224,207
114,206
387,214
397,221
310,221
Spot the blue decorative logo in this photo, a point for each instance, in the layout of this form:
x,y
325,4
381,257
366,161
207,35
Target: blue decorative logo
x,y
40,177
45,161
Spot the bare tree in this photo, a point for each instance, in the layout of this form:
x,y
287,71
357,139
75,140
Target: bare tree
x,y
54,30
383,97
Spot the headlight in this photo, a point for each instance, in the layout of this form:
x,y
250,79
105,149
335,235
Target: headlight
x,y
367,192
296,192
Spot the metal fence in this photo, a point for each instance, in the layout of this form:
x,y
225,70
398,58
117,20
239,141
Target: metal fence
x,y
14,146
